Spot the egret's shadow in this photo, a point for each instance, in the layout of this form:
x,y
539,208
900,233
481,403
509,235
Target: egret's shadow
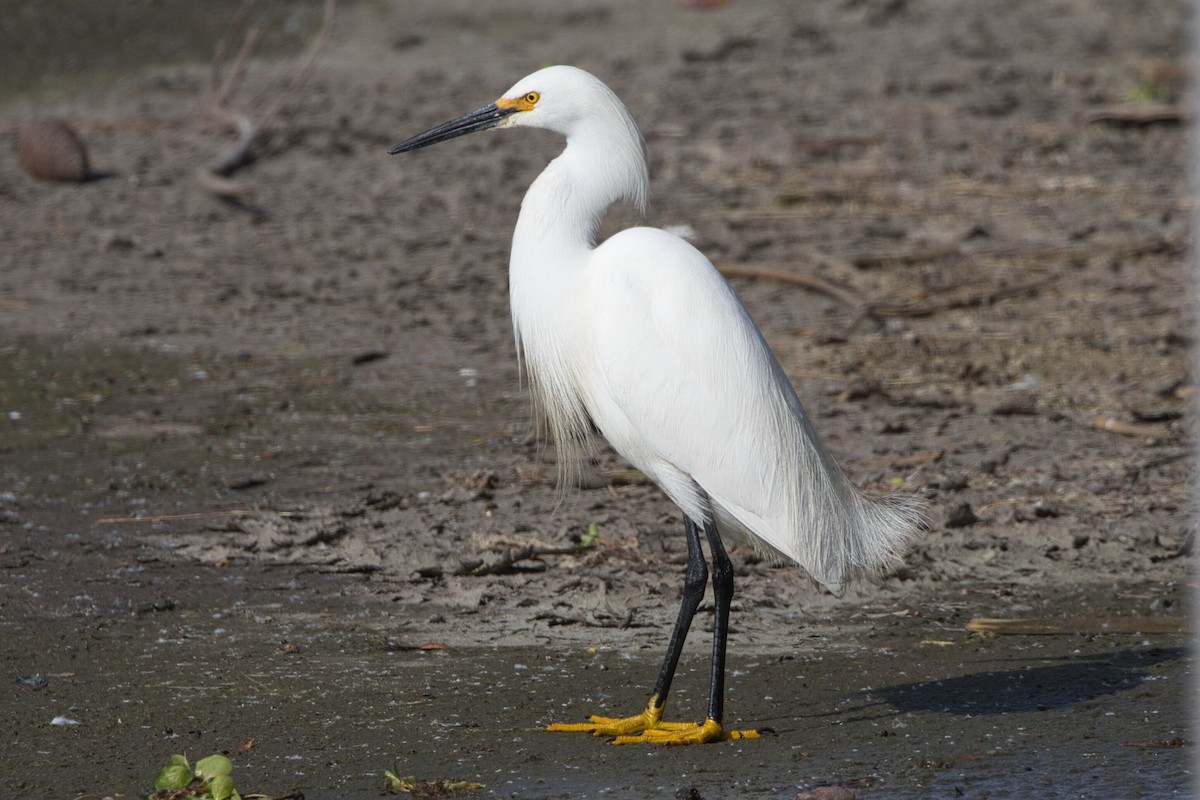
x,y
1030,688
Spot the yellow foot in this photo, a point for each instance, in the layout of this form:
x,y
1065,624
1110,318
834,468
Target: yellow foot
x,y
676,733
616,726
648,727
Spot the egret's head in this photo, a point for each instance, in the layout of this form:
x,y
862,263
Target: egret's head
x,y
563,99
576,104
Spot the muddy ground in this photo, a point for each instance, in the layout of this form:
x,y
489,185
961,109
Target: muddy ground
x,y
268,479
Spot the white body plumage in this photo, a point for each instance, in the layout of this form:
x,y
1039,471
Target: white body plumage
x,y
644,338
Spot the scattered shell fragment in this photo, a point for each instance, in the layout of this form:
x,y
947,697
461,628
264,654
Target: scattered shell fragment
x,y
48,149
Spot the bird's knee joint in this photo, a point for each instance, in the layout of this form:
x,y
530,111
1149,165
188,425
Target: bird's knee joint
x,y
722,578
696,578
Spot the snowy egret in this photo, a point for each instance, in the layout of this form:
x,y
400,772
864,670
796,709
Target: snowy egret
x,y
643,339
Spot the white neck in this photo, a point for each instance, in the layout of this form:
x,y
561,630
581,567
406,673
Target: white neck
x,y
565,204
556,231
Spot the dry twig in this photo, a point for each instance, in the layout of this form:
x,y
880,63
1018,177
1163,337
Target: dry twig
x,y
1130,114
233,512
1129,428
816,284
968,297
223,83
1028,252
1078,625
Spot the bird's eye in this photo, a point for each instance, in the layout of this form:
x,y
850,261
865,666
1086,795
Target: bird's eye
x,y
532,98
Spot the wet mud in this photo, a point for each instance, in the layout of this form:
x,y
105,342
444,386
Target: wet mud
x,y
269,484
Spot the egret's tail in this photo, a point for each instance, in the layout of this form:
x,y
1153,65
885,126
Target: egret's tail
x,y
874,531
830,528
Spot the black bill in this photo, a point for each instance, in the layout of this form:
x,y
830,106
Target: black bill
x,y
480,119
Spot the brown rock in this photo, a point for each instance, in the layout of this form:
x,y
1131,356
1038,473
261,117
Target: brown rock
x,y
48,149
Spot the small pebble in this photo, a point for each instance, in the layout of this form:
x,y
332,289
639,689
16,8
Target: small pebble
x,y
1043,510
1018,404
954,483
35,681
961,516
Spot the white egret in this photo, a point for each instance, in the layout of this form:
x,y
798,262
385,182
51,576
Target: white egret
x,y
641,337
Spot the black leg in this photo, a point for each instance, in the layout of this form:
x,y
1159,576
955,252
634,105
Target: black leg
x,y
693,592
649,726
722,578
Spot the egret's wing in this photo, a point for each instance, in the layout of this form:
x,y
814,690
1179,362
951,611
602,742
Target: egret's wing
x,y
690,382
685,387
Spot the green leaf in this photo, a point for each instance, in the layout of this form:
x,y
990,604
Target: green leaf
x,y
176,776
393,784
214,765
592,535
221,787
180,760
